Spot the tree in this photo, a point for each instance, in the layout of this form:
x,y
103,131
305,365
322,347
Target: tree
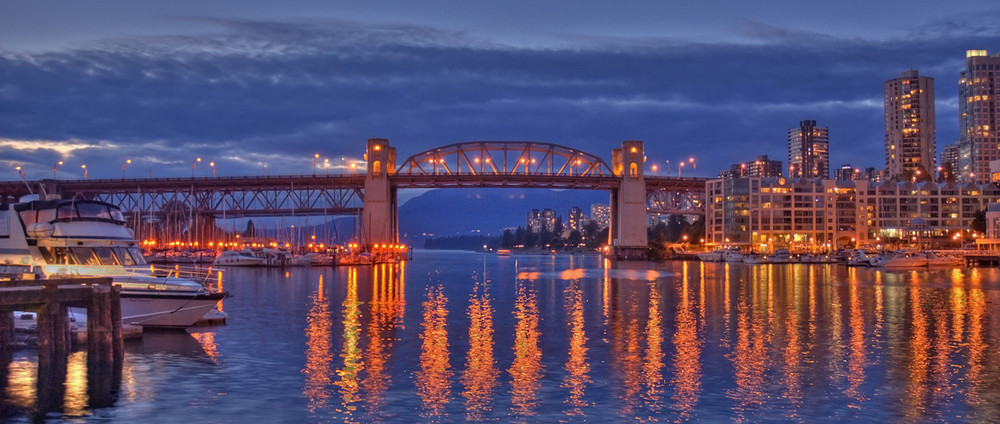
x,y
520,237
978,223
575,238
947,173
923,176
507,240
676,225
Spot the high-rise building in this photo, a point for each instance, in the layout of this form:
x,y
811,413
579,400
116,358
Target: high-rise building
x,y
846,172
575,219
762,167
809,151
544,220
978,115
949,162
909,126
601,214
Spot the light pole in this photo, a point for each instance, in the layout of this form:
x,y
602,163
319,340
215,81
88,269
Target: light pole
x,y
127,162
84,171
192,166
56,168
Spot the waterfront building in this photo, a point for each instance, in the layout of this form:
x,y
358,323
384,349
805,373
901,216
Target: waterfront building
x,y
761,167
544,220
809,151
909,126
817,215
601,214
978,115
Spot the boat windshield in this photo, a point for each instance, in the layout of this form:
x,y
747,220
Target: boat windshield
x,y
71,211
109,256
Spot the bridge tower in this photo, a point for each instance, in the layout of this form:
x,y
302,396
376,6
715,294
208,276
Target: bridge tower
x,y
628,204
379,216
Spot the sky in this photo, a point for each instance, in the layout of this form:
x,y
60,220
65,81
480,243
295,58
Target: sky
x,y
263,86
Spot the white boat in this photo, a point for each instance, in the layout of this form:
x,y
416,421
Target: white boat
x,y
59,238
234,258
942,259
906,261
733,256
713,256
753,259
780,256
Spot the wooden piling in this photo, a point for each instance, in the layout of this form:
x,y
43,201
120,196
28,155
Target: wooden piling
x,y
6,354
100,355
53,352
117,338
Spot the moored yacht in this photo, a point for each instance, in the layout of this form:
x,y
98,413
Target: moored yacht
x,y
59,238
234,258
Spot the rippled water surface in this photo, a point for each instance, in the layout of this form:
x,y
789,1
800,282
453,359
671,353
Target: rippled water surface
x,y
456,336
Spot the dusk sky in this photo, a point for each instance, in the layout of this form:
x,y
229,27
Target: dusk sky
x,y
255,84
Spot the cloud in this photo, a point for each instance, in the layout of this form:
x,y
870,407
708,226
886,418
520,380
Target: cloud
x,y
275,93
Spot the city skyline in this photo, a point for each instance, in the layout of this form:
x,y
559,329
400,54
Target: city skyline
x,y
264,90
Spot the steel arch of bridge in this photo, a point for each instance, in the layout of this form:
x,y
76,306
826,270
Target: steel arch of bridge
x,y
505,158
668,196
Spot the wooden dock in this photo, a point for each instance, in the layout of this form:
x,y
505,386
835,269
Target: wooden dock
x,y
49,299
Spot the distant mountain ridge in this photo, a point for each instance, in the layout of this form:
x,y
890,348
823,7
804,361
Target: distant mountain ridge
x,y
451,212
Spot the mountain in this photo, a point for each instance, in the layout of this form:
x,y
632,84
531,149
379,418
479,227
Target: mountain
x,y
470,211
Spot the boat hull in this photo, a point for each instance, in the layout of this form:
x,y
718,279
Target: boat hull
x,y
166,311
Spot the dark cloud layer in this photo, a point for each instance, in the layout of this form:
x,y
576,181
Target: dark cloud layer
x,y
275,93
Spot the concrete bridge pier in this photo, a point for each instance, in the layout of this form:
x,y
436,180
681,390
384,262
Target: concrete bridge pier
x,y
379,217
628,239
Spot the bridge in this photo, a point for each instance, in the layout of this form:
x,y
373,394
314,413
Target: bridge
x,y
372,195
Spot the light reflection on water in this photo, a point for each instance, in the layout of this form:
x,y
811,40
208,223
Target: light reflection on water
x,y
543,338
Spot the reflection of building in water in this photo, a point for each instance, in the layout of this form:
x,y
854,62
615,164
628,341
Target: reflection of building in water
x,y
526,370
687,345
351,352
577,368
480,376
387,308
857,358
749,356
434,377
319,345
653,366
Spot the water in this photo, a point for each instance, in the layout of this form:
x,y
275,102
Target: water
x,y
455,337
